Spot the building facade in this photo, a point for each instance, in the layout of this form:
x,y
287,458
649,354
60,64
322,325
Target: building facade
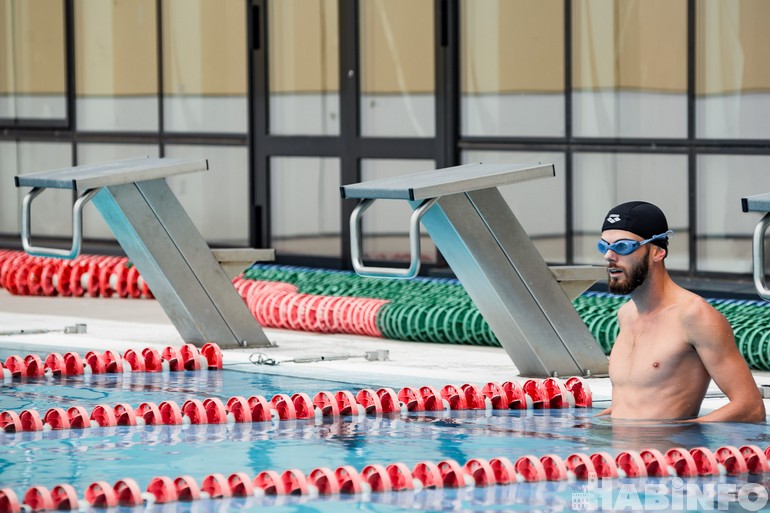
x,y
661,100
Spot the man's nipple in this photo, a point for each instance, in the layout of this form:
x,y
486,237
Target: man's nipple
x,y
655,364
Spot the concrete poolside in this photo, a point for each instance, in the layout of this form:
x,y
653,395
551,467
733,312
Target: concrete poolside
x,y
121,324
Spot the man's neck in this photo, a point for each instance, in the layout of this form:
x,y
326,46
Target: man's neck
x,y
653,294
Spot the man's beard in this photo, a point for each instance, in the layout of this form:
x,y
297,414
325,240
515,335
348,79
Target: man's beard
x,y
634,277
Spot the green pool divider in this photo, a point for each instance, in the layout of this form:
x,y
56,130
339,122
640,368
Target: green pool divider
x,y
440,311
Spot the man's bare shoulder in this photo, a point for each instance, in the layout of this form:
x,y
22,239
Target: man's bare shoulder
x,y
694,308
701,320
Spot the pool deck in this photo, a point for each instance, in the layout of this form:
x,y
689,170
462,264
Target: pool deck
x,y
121,324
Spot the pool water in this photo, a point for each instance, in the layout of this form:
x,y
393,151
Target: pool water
x,y
82,456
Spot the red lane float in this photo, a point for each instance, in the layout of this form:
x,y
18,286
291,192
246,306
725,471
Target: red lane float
x,y
377,477
655,463
240,484
535,389
217,486
295,482
261,409
605,465
555,468
38,498
454,396
349,480
128,492
756,460
188,357
9,503
581,466
412,399
452,475
324,480
631,463
30,420
101,495
400,477
370,401
516,397
163,489
186,489
64,497
681,461
732,460
481,471
505,471
705,461
270,482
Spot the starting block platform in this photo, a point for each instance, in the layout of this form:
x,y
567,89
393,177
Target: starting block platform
x,y
526,303
162,242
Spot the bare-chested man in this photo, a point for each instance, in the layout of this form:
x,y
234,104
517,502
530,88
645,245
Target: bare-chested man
x,y
671,342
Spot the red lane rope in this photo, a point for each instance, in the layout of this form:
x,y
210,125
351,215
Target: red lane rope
x,y
677,461
92,275
534,393
184,358
273,304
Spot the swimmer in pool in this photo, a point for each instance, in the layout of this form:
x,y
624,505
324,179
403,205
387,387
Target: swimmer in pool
x,y
671,342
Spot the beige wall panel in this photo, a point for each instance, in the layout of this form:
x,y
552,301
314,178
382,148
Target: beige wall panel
x,y
397,44
115,47
32,59
205,47
304,49
630,44
732,48
513,46
593,44
652,45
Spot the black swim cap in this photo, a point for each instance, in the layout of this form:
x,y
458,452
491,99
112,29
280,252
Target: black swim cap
x,y
639,217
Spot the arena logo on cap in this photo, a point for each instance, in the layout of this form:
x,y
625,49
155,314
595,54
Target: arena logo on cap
x,y
613,218
668,495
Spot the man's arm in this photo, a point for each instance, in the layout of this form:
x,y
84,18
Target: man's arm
x,y
712,337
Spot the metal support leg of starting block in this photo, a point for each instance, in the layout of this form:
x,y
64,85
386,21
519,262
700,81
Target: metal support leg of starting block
x,y
759,203
495,260
160,239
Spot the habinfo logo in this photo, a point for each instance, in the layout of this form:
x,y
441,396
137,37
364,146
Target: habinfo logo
x,y
613,218
673,494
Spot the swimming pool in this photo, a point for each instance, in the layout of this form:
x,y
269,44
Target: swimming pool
x,y
80,457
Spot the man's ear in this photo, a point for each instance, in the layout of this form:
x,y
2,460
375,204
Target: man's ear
x,y
658,253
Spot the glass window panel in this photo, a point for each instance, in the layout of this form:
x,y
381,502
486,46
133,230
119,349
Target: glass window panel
x,y
94,226
10,202
732,69
724,230
216,200
32,60
629,71
116,65
603,180
538,204
512,67
305,206
385,225
51,212
397,68
304,67
204,66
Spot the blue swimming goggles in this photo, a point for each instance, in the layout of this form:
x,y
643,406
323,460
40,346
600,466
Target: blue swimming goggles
x,y
628,246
